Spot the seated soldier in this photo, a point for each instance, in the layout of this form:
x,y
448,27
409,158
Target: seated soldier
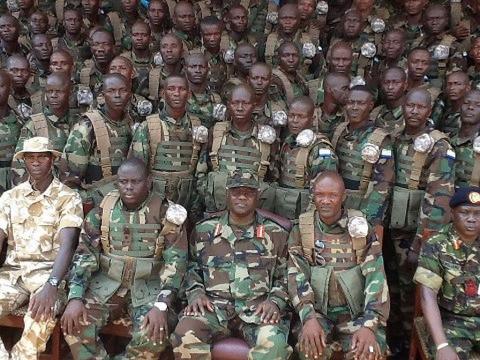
x,y
236,279
448,277
336,278
40,220
141,233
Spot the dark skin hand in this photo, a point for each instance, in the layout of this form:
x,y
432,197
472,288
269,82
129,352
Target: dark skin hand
x,y
268,312
198,306
42,303
74,313
155,324
312,341
362,340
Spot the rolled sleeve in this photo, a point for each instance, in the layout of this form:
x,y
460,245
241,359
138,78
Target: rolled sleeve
x,y
72,213
428,278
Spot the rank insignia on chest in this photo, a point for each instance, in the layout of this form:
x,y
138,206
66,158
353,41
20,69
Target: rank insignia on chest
x,y
471,288
218,230
260,231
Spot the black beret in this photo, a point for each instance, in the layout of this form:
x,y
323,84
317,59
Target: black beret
x,y
466,196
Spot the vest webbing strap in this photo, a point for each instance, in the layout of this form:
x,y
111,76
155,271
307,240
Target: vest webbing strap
x,y
375,138
337,133
224,42
313,86
300,165
40,124
155,134
12,103
264,163
103,141
107,205
219,131
117,26
85,73
37,103
475,180
171,6
270,44
195,121
419,159
59,6
245,3
287,85
204,10
154,83
307,231
456,12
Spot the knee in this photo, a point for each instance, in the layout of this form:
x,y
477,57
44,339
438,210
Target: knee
x,y
270,338
190,330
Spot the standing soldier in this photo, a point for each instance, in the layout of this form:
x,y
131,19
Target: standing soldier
x,y
148,235
303,155
473,70
39,58
449,293
158,18
10,126
9,34
389,115
170,143
185,25
418,62
75,38
336,278
423,186
410,20
467,142
40,220
54,122
99,142
365,157
238,142
237,278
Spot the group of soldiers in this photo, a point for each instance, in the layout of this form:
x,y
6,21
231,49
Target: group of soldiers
x,y
220,168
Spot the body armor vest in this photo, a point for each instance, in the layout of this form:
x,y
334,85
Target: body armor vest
x,y
467,165
57,136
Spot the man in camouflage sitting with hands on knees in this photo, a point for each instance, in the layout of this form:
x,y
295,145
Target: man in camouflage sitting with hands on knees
x,y
336,278
132,257
237,278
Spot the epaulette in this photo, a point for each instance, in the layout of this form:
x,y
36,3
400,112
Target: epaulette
x,y
284,223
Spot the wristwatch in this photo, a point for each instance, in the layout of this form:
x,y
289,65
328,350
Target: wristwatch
x,y
54,281
160,305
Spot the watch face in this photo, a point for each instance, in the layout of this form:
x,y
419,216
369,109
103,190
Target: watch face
x,y
161,306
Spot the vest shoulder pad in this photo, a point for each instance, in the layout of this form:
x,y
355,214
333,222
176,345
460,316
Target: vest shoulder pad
x,y
284,223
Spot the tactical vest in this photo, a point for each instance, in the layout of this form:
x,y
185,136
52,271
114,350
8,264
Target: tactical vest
x,y
173,163
86,71
132,253
409,189
467,165
339,280
154,81
10,131
116,22
43,128
273,43
353,168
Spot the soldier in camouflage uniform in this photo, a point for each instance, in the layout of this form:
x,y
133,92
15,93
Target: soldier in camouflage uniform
x,y
423,186
158,18
99,142
171,143
54,122
303,155
75,38
410,20
418,63
449,279
268,110
365,157
39,59
446,116
10,126
238,29
237,143
92,72
287,81
336,278
202,100
185,26
148,235
474,69
40,220
389,115
236,280
9,35
467,142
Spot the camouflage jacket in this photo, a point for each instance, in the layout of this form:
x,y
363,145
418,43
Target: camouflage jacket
x,y
170,252
447,265
301,289
390,120
10,127
80,50
465,159
189,43
436,179
348,148
413,32
201,105
238,267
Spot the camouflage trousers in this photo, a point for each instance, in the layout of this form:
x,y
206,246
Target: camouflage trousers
x,y
402,241
194,335
339,329
463,333
87,344
35,334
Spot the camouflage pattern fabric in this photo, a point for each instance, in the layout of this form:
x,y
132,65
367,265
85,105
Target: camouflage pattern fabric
x,y
201,105
10,127
465,157
338,322
390,120
237,268
189,43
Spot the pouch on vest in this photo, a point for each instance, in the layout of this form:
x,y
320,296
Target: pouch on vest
x,y
320,277
290,202
159,185
354,199
352,283
406,208
215,199
103,287
98,193
267,196
185,191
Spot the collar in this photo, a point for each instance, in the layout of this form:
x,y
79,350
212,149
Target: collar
x,y
49,191
339,227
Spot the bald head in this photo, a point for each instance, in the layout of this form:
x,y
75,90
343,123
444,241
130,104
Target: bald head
x,y
176,79
59,79
333,78
330,177
110,79
195,58
304,101
136,165
419,94
396,71
340,57
17,60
